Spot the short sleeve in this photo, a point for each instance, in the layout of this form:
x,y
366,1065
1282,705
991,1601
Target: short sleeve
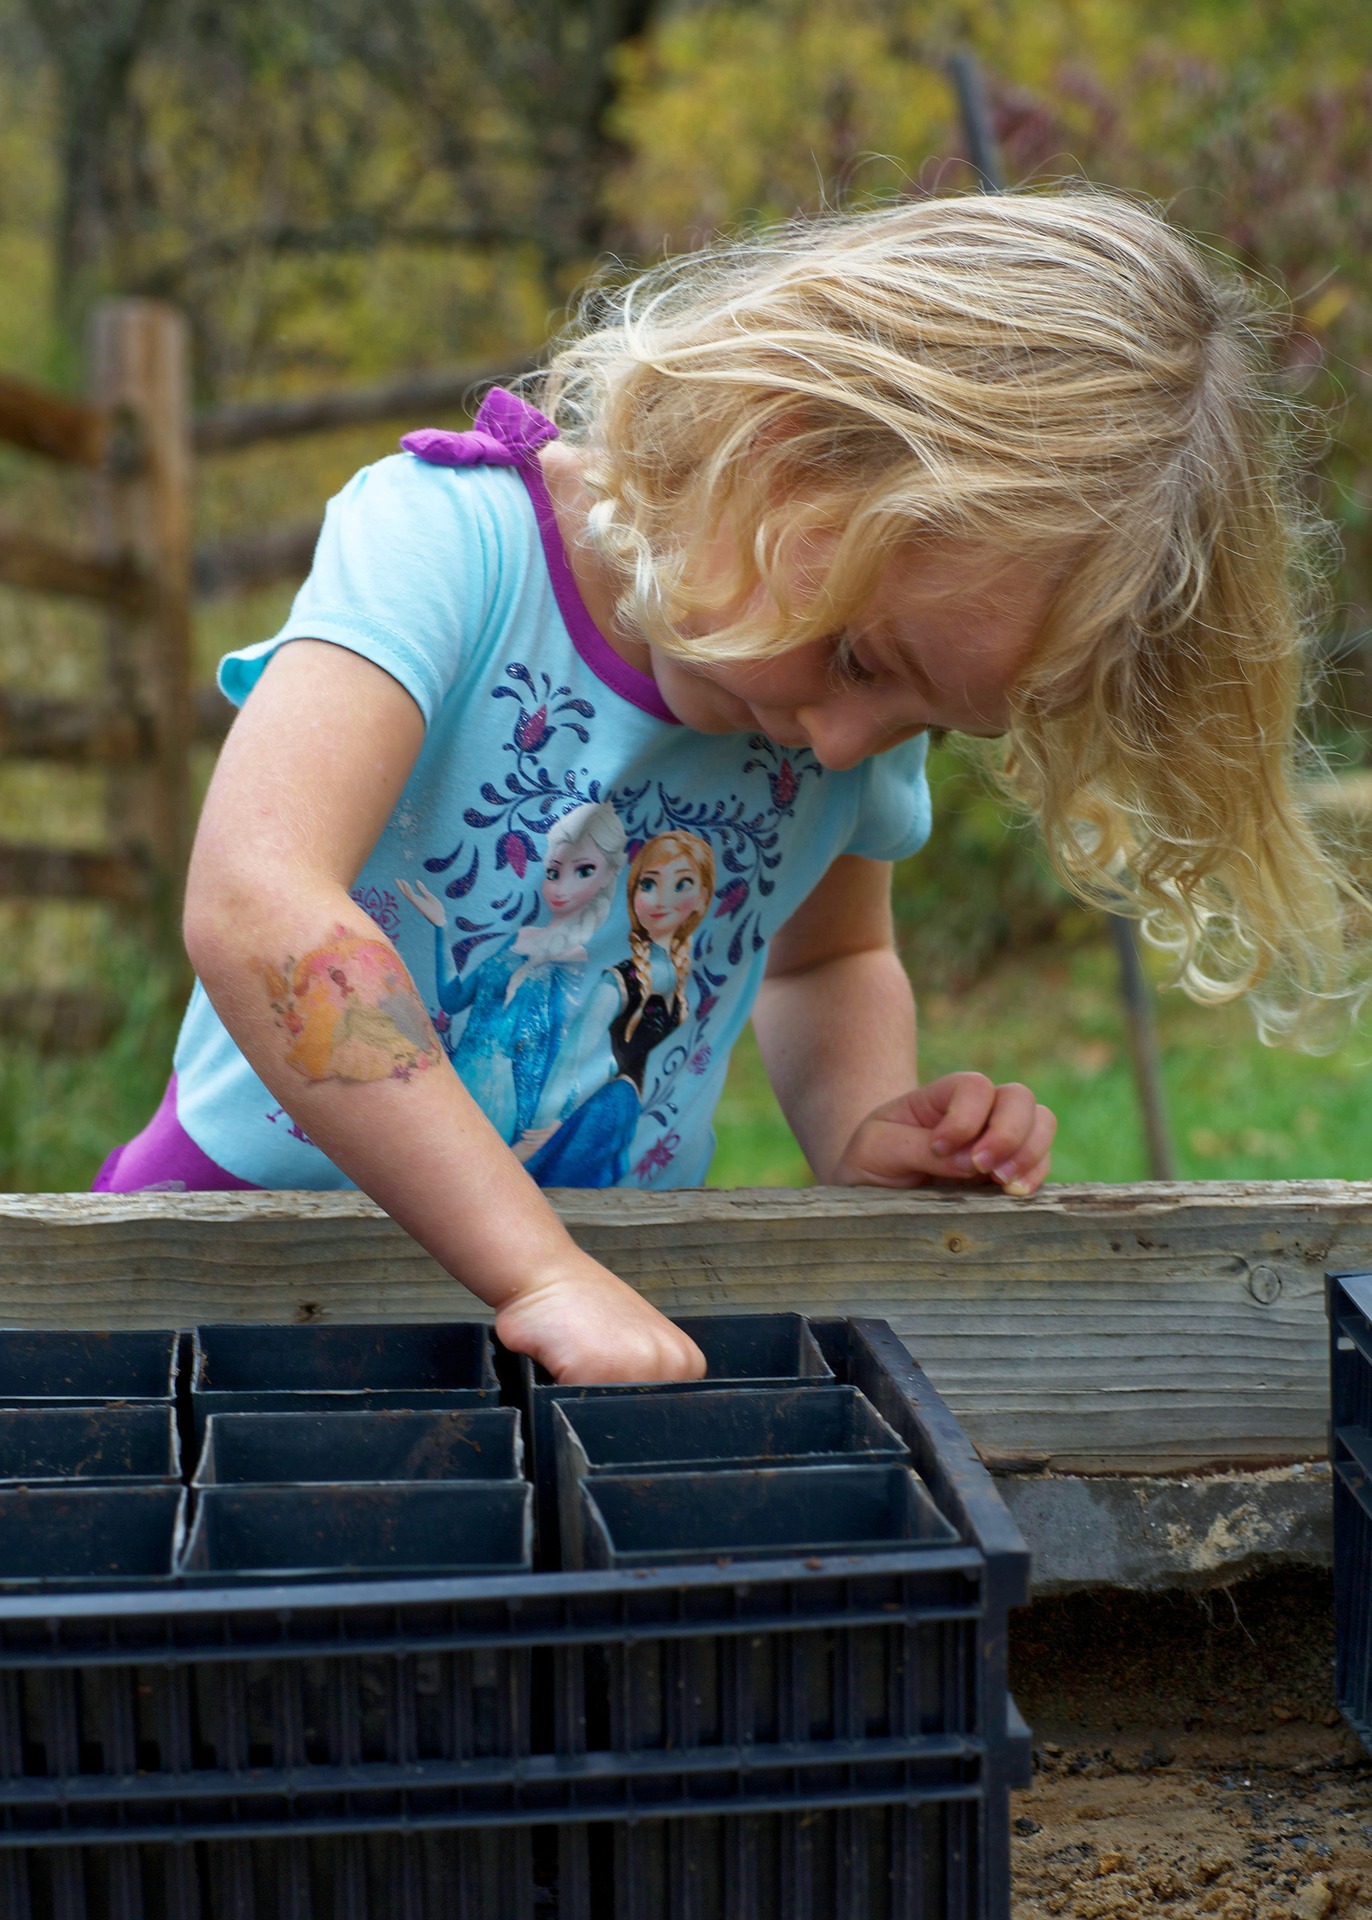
x,y
398,577
894,815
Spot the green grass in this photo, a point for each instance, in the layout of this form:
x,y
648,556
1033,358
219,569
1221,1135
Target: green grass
x,y
1238,1110
60,1114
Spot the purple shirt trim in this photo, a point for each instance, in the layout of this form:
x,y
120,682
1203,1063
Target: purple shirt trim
x,y
508,432
164,1159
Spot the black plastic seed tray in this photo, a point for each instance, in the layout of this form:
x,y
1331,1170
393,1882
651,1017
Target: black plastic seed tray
x,y
733,1427
287,1449
823,1735
89,1444
657,1519
1350,1444
328,1532
88,1535
773,1349
55,1367
326,1368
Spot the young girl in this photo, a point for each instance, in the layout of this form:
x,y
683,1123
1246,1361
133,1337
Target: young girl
x,y
1000,464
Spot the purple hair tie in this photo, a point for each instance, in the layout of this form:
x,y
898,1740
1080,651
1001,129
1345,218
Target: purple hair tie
x,y
506,432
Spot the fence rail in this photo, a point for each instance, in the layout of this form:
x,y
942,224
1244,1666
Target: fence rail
x,y
230,567
41,566
443,391
59,873
49,423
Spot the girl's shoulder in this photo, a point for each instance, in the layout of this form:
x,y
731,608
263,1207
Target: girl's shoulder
x,y
412,506
409,563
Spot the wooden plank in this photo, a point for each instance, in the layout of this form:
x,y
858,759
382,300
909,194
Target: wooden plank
x,y
140,372
42,566
1343,793
50,423
61,1020
79,732
230,567
448,390
213,716
1150,1329
58,873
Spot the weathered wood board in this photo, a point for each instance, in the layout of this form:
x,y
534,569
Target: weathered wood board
x,y
1148,1329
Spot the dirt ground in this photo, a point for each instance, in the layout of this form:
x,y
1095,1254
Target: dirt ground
x,y
1189,1760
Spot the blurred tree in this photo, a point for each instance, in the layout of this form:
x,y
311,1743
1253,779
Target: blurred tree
x,y
244,156
93,53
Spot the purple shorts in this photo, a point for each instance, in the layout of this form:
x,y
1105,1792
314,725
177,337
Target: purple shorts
x,y
164,1159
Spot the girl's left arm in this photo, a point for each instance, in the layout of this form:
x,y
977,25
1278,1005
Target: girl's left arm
x,y
835,1021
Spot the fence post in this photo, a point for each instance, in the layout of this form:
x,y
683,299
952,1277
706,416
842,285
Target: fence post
x,y
139,356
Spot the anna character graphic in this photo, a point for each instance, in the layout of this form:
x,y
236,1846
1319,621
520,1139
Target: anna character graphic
x,y
639,1003
520,999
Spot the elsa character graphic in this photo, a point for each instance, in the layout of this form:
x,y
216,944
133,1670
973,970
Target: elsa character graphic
x,y
639,1002
520,998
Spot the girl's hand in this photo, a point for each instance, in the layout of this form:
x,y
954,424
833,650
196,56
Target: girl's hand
x,y
427,903
585,1325
962,1127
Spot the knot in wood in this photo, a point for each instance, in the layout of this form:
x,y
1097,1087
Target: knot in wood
x,y
1264,1283
955,1242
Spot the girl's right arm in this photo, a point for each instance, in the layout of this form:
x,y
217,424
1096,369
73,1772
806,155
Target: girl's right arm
x,y
324,1010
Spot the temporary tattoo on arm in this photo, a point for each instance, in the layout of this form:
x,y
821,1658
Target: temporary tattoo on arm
x,y
350,1012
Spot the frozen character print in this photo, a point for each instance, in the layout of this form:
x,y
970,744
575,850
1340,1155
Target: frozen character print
x,y
639,1003
520,999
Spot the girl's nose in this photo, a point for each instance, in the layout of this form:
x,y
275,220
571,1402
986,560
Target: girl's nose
x,y
841,733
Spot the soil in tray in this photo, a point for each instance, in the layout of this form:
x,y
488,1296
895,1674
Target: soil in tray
x,y
1189,1762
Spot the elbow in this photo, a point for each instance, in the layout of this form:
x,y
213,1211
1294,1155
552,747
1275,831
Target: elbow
x,y
227,911
211,927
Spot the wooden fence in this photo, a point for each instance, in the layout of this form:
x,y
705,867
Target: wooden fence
x,y
133,436
137,439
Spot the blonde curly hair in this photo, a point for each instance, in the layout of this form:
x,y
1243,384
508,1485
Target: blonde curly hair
x,y
1069,377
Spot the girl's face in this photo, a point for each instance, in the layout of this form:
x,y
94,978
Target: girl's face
x,y
944,637
668,893
573,876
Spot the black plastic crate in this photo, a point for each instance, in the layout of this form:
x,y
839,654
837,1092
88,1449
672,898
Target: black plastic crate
x,y
1350,1445
332,1532
89,1444
55,1367
264,1449
891,1861
271,1733
94,1536
476,1875
326,1368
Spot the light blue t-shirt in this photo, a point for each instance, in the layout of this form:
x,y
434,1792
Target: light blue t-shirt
x,y
592,1023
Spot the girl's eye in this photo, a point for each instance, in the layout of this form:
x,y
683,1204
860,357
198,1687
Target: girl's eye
x,y
552,871
849,668
585,871
685,884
